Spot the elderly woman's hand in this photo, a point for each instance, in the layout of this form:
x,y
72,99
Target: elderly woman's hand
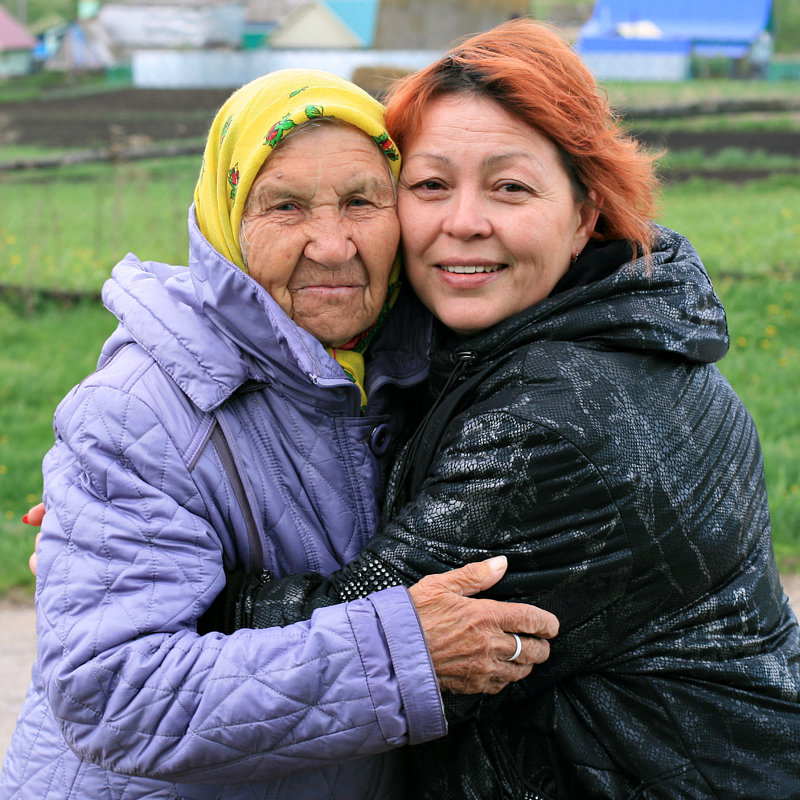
x,y
471,640
34,517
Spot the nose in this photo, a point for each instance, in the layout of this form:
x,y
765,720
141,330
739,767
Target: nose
x,y
467,215
330,241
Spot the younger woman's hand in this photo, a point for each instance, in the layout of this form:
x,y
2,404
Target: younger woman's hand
x,y
34,517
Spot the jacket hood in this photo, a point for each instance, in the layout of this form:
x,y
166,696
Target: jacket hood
x,y
612,302
211,327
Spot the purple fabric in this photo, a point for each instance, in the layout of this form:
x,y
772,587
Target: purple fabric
x,y
127,701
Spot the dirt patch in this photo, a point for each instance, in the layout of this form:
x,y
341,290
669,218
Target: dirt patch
x,y
107,119
710,142
115,118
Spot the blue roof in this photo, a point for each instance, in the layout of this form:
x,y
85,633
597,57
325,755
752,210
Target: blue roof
x,y
710,22
361,16
616,44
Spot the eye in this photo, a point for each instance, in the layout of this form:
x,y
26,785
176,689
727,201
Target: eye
x,y
430,185
287,206
358,202
512,187
429,188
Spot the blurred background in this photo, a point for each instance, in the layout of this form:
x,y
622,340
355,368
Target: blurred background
x,y
104,107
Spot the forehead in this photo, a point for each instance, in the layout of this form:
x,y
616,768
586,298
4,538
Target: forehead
x,y
454,125
326,148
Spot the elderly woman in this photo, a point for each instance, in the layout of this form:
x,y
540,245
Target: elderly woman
x,y
234,418
578,425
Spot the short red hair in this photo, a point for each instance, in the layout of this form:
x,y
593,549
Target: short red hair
x,y
529,70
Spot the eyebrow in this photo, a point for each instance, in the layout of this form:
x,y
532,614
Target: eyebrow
x,y
492,161
366,185
369,186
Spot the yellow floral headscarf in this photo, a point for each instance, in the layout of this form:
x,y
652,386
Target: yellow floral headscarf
x,y
244,133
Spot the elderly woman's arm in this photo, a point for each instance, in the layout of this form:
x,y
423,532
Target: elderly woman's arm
x,y
125,571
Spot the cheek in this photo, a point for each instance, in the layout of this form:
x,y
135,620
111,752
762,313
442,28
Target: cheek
x,y
379,246
413,229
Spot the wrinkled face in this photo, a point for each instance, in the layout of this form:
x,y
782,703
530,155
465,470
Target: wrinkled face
x,y
488,213
320,231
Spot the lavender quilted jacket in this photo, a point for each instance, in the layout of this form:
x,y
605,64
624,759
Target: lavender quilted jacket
x,y
127,699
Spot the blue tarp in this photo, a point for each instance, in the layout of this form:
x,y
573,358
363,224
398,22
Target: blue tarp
x,y
725,27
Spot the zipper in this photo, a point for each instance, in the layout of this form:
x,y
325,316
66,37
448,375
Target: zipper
x,y
463,359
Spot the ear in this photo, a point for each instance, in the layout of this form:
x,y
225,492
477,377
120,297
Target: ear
x,y
588,213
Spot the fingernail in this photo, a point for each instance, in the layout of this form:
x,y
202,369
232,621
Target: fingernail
x,y
25,519
497,564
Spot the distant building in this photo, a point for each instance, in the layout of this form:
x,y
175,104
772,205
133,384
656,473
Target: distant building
x,y
384,37
436,24
175,24
16,46
329,24
657,40
83,45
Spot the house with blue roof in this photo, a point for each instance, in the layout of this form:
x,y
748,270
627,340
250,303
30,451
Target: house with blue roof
x,y
656,40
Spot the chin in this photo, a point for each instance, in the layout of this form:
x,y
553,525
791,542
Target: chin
x,y
463,323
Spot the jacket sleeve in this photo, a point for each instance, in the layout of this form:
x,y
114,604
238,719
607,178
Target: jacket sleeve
x,y
498,484
127,565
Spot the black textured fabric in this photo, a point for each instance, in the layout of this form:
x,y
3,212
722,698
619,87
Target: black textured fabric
x,y
612,463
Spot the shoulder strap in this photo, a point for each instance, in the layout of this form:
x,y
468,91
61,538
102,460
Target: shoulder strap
x,y
223,449
224,612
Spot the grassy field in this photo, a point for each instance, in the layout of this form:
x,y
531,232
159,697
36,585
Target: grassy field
x,y
747,237
63,230
92,215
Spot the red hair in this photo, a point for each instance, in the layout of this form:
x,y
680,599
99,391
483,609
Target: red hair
x,y
529,70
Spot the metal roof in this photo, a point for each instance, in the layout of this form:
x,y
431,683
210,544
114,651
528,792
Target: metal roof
x,y
729,25
13,35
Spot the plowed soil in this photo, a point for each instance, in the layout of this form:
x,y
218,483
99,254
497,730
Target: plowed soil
x,y
130,117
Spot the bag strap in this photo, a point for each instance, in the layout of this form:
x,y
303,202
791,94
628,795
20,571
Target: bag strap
x,y
225,454
224,613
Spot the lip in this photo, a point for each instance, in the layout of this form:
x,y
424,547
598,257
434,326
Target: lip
x,y
327,293
324,287
467,262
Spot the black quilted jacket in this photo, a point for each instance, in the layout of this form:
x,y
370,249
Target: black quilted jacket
x,y
591,439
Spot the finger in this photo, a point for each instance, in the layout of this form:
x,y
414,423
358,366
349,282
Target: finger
x,y
32,559
492,668
485,683
533,651
35,515
471,578
525,618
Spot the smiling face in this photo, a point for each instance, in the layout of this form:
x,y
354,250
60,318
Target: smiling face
x,y
489,216
320,231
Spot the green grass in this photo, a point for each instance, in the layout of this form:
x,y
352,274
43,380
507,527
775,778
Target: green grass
x,y
67,228
750,230
640,95
729,158
763,366
42,357
70,232
750,122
